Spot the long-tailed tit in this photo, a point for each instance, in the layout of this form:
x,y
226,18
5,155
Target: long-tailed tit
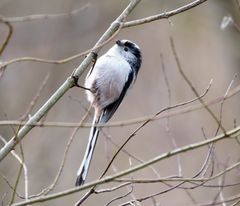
x,y
108,80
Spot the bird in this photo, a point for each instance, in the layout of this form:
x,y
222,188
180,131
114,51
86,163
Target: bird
x,y
108,82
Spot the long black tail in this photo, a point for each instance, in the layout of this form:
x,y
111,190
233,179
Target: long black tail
x,y
103,118
83,170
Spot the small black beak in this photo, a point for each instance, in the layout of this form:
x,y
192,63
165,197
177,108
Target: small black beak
x,y
119,43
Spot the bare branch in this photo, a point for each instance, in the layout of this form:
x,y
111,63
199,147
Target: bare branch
x,y
132,156
12,187
44,16
126,24
236,203
35,98
230,134
112,189
4,64
7,38
222,103
51,187
168,118
229,199
151,195
164,15
190,84
179,179
146,122
122,196
69,82
24,169
190,108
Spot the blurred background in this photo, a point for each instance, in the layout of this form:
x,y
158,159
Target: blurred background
x,y
205,51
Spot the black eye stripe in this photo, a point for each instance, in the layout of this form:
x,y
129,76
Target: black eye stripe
x,y
129,45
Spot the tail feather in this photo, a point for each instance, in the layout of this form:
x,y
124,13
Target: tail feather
x,y
83,170
103,118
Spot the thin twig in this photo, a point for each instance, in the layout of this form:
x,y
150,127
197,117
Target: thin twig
x,y
222,103
134,133
164,15
20,169
221,182
229,199
7,38
34,17
24,116
69,82
213,185
11,186
220,192
2,198
211,154
202,179
230,134
57,177
115,169
112,189
126,24
137,120
168,118
236,203
51,187
151,195
35,98
120,197
146,122
24,169
86,195
61,61
190,84
131,155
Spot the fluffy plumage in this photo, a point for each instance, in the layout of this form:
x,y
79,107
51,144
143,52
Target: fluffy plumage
x,y
113,74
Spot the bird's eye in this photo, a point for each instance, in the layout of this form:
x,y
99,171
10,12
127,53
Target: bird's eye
x,y
125,49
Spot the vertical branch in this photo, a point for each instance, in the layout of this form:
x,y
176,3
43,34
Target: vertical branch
x,y
25,170
5,43
222,103
19,172
168,119
187,80
8,37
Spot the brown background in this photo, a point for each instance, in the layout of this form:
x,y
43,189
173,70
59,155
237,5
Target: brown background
x,y
205,52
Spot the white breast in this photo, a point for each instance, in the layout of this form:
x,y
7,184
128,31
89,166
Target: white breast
x,y
107,80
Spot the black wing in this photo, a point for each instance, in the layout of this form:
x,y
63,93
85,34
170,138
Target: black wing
x,y
110,109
